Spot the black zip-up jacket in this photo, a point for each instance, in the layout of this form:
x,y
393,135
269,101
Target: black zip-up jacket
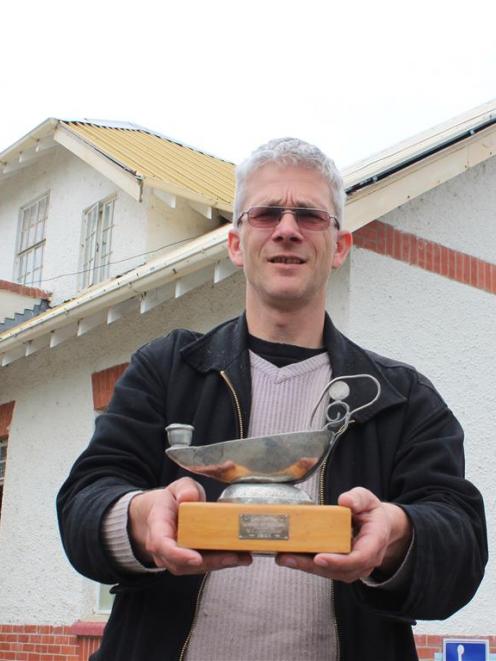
x,y
407,448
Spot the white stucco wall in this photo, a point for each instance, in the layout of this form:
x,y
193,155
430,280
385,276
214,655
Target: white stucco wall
x,y
460,214
168,227
73,186
52,423
447,331
11,302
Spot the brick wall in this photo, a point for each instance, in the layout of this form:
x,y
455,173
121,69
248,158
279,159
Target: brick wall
x,y
49,643
38,643
386,240
428,645
103,383
77,642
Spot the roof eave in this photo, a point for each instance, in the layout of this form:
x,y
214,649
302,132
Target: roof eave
x,y
208,252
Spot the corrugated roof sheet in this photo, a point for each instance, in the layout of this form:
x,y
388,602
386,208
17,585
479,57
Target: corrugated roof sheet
x,y
152,156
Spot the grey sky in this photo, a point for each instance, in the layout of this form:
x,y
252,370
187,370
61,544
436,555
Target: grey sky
x,y
225,76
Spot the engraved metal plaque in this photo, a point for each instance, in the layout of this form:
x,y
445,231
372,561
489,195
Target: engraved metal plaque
x,y
263,526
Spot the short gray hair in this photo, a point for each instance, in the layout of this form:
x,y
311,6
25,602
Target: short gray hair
x,y
291,152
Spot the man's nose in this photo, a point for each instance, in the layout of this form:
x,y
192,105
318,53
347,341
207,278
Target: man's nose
x,y
287,227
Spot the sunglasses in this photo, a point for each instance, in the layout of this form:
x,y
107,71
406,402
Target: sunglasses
x,y
307,219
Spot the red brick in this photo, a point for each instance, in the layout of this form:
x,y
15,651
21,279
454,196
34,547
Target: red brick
x,y
466,269
88,629
396,245
53,649
445,262
7,656
405,247
390,232
413,249
421,250
68,649
381,237
6,412
452,264
434,640
427,653
16,288
481,275
428,256
43,628
29,628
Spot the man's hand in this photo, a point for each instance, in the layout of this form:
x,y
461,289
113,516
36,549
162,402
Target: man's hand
x,y
383,535
152,529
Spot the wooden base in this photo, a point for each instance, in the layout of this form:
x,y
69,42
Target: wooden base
x,y
265,528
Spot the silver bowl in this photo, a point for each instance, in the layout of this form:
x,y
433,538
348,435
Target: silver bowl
x,y
265,459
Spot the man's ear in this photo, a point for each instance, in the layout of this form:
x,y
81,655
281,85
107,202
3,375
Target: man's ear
x,y
234,248
343,247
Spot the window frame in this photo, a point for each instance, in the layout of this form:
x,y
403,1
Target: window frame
x,y
26,254
3,444
96,242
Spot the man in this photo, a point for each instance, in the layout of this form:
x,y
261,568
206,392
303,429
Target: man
x,y
419,548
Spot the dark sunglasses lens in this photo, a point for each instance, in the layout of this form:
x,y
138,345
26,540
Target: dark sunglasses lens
x,y
312,219
264,216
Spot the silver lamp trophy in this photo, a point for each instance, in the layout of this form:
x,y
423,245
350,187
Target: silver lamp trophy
x,y
262,509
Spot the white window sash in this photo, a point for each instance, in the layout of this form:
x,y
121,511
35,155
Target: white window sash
x,y
31,241
96,242
3,460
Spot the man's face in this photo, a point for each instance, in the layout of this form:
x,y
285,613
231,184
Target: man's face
x,y
287,267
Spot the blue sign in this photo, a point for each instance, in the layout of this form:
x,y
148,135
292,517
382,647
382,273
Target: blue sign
x,y
465,650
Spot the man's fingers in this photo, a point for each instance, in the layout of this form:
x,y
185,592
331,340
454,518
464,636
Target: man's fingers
x,y
329,565
182,561
186,490
358,500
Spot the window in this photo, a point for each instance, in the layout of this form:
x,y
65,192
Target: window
x,y
96,237
3,461
6,412
31,242
104,598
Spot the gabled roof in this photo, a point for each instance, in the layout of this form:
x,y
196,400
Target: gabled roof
x,y
397,175
133,157
376,186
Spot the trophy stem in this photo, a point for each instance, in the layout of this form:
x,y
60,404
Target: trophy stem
x,y
265,493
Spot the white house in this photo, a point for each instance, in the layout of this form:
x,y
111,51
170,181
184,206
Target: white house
x,y
113,234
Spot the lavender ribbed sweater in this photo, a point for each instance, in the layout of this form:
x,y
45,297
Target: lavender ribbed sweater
x,y
266,612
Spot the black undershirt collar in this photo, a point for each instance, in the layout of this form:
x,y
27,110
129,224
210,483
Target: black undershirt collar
x,y
280,354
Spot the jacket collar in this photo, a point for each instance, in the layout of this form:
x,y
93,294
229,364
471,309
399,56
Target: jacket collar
x,y
348,359
225,348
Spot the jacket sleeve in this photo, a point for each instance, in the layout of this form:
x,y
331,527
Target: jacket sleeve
x,y
126,453
446,511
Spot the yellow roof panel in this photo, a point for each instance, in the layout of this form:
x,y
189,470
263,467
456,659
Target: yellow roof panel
x,y
151,156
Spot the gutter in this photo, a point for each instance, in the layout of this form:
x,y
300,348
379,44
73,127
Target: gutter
x,y
412,160
202,252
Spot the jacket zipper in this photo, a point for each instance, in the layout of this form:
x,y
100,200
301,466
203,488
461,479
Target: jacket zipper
x,y
237,407
236,402
195,617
